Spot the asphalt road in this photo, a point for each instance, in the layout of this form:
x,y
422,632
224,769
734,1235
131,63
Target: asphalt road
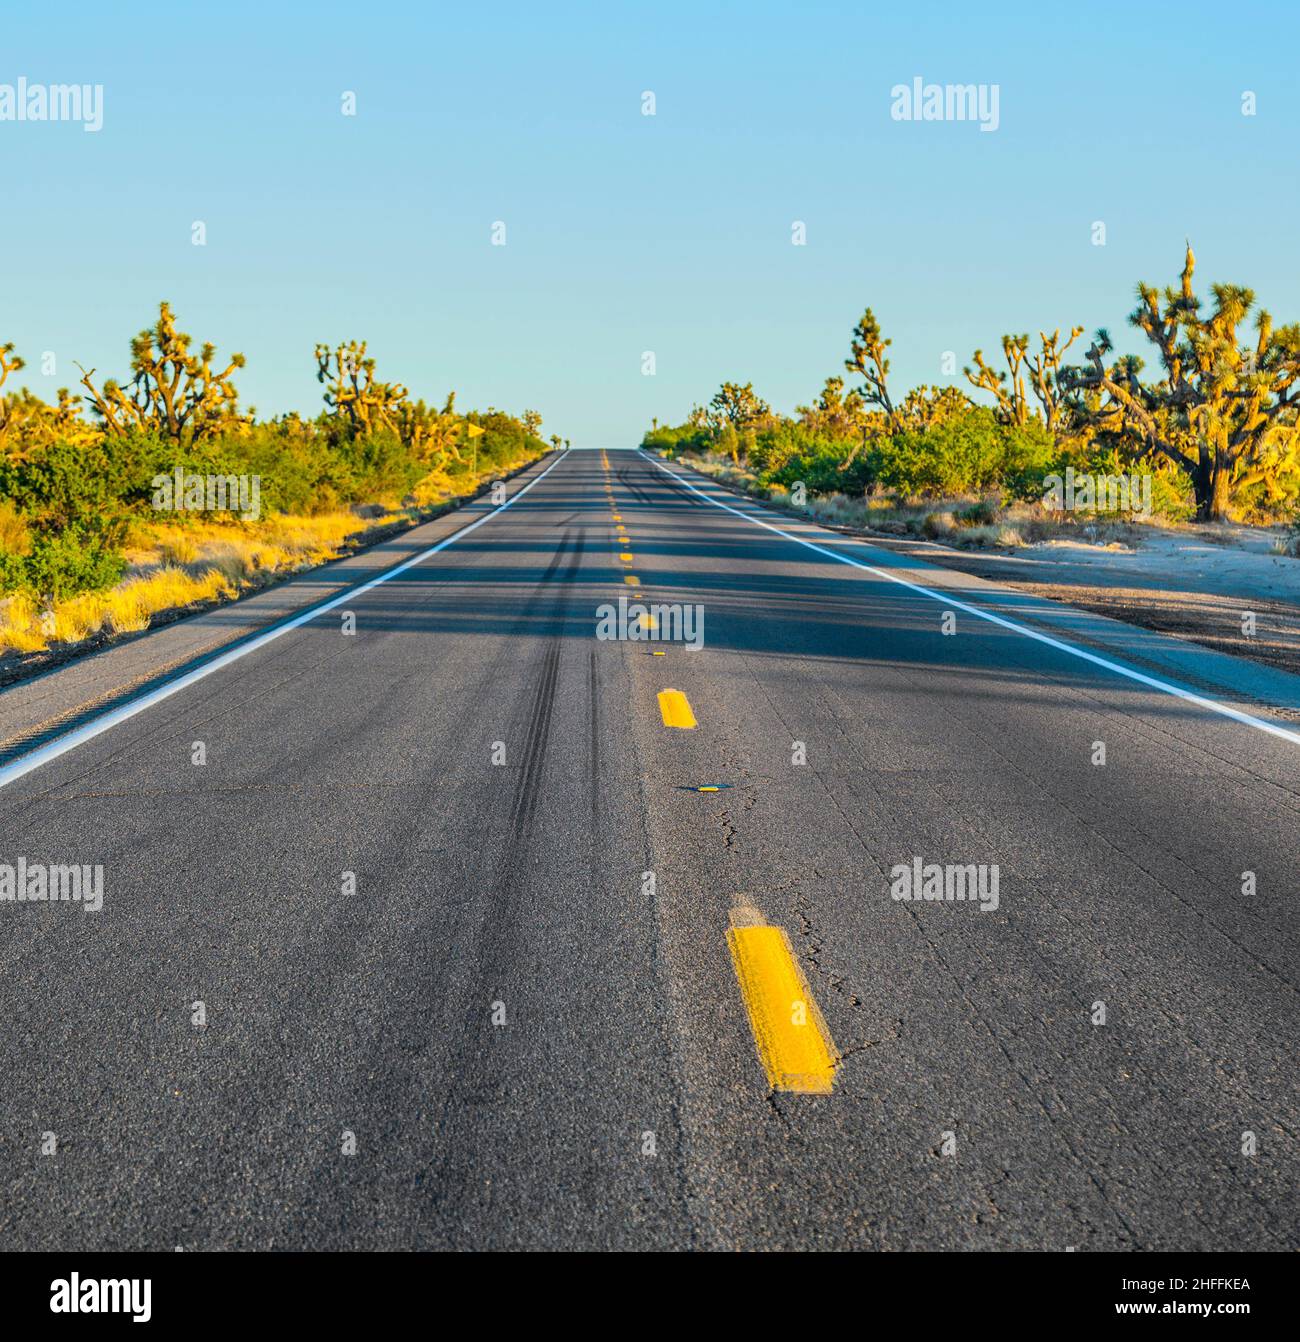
x,y
533,1045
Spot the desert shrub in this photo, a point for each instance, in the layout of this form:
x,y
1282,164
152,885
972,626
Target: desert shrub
x,y
674,441
61,485
981,514
938,526
824,465
62,563
968,453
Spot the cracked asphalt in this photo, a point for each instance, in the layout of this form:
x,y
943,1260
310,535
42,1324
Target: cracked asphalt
x,y
509,1036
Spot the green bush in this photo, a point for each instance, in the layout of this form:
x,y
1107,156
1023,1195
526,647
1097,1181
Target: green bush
x,y
971,453
673,442
968,453
62,564
790,453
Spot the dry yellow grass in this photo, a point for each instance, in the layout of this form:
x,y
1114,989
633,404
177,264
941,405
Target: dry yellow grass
x,y
178,566
126,608
14,536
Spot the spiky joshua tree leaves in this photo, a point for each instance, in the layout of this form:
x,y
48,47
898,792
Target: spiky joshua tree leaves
x,y
834,413
737,406
433,435
1224,409
867,359
1037,374
353,392
28,423
9,363
735,410
172,391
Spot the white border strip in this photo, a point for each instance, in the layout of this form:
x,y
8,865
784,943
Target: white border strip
x,y
1225,710
25,764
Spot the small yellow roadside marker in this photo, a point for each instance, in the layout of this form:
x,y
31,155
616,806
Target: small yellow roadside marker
x,y
618,517
676,709
626,558
632,580
658,652
793,1043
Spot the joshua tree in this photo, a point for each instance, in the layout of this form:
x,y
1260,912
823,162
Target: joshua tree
x,y
1008,388
1037,374
9,363
432,435
353,391
834,412
867,359
737,406
1225,411
924,407
1045,371
26,421
171,391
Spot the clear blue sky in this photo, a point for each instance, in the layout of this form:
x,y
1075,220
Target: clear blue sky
x,y
624,232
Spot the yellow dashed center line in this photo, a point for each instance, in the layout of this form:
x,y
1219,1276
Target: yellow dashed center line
x,y
675,709
793,1043
625,557
632,580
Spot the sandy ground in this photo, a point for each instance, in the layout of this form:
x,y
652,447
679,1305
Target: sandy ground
x,y
1194,586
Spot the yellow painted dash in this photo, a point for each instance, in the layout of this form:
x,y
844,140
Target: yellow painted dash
x,y
676,709
625,557
793,1043
632,580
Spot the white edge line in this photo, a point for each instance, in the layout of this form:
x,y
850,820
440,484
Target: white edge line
x,y
1271,728
25,764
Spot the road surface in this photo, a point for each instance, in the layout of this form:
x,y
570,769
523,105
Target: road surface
x,y
520,1022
